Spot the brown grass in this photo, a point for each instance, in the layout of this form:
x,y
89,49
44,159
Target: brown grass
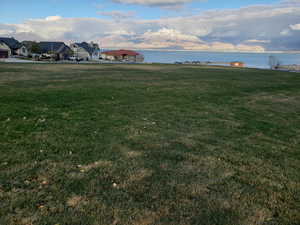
x,y
74,201
94,165
136,176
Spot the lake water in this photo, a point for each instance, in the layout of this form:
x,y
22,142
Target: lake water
x,y
258,60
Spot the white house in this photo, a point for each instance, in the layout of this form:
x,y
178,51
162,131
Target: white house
x,y
86,51
16,48
22,51
5,50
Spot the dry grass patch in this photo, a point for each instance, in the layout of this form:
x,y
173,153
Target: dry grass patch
x,y
65,115
58,81
43,135
277,99
133,154
128,153
76,175
208,169
94,165
74,201
146,218
137,176
28,220
188,140
55,67
134,133
140,175
258,217
198,189
145,67
8,77
84,67
19,168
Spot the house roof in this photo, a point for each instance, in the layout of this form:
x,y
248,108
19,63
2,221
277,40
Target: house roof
x,y
53,47
28,44
121,52
11,43
86,47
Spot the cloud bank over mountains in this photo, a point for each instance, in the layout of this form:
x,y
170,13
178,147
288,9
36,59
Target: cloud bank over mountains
x,y
154,2
254,28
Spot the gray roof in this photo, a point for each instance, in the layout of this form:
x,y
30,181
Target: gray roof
x,y
57,47
11,43
86,46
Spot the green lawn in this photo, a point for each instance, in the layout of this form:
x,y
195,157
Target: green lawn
x,y
148,144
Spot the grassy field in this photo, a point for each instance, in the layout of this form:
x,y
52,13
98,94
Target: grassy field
x,y
148,144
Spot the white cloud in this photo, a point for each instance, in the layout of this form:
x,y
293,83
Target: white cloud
x,y
295,26
291,2
154,2
257,41
165,34
249,48
252,28
53,18
118,15
6,32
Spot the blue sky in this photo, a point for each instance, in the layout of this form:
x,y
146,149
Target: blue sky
x,y
16,11
202,25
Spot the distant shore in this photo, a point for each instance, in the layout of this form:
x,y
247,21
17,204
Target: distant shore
x,y
206,51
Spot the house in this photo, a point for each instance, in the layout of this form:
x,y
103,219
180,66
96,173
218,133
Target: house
x,y
16,48
32,47
57,50
5,51
122,55
86,51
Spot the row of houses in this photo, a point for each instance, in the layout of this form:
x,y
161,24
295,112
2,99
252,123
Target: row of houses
x,y
10,47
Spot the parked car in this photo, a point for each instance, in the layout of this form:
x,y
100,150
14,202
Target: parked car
x,y
72,58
